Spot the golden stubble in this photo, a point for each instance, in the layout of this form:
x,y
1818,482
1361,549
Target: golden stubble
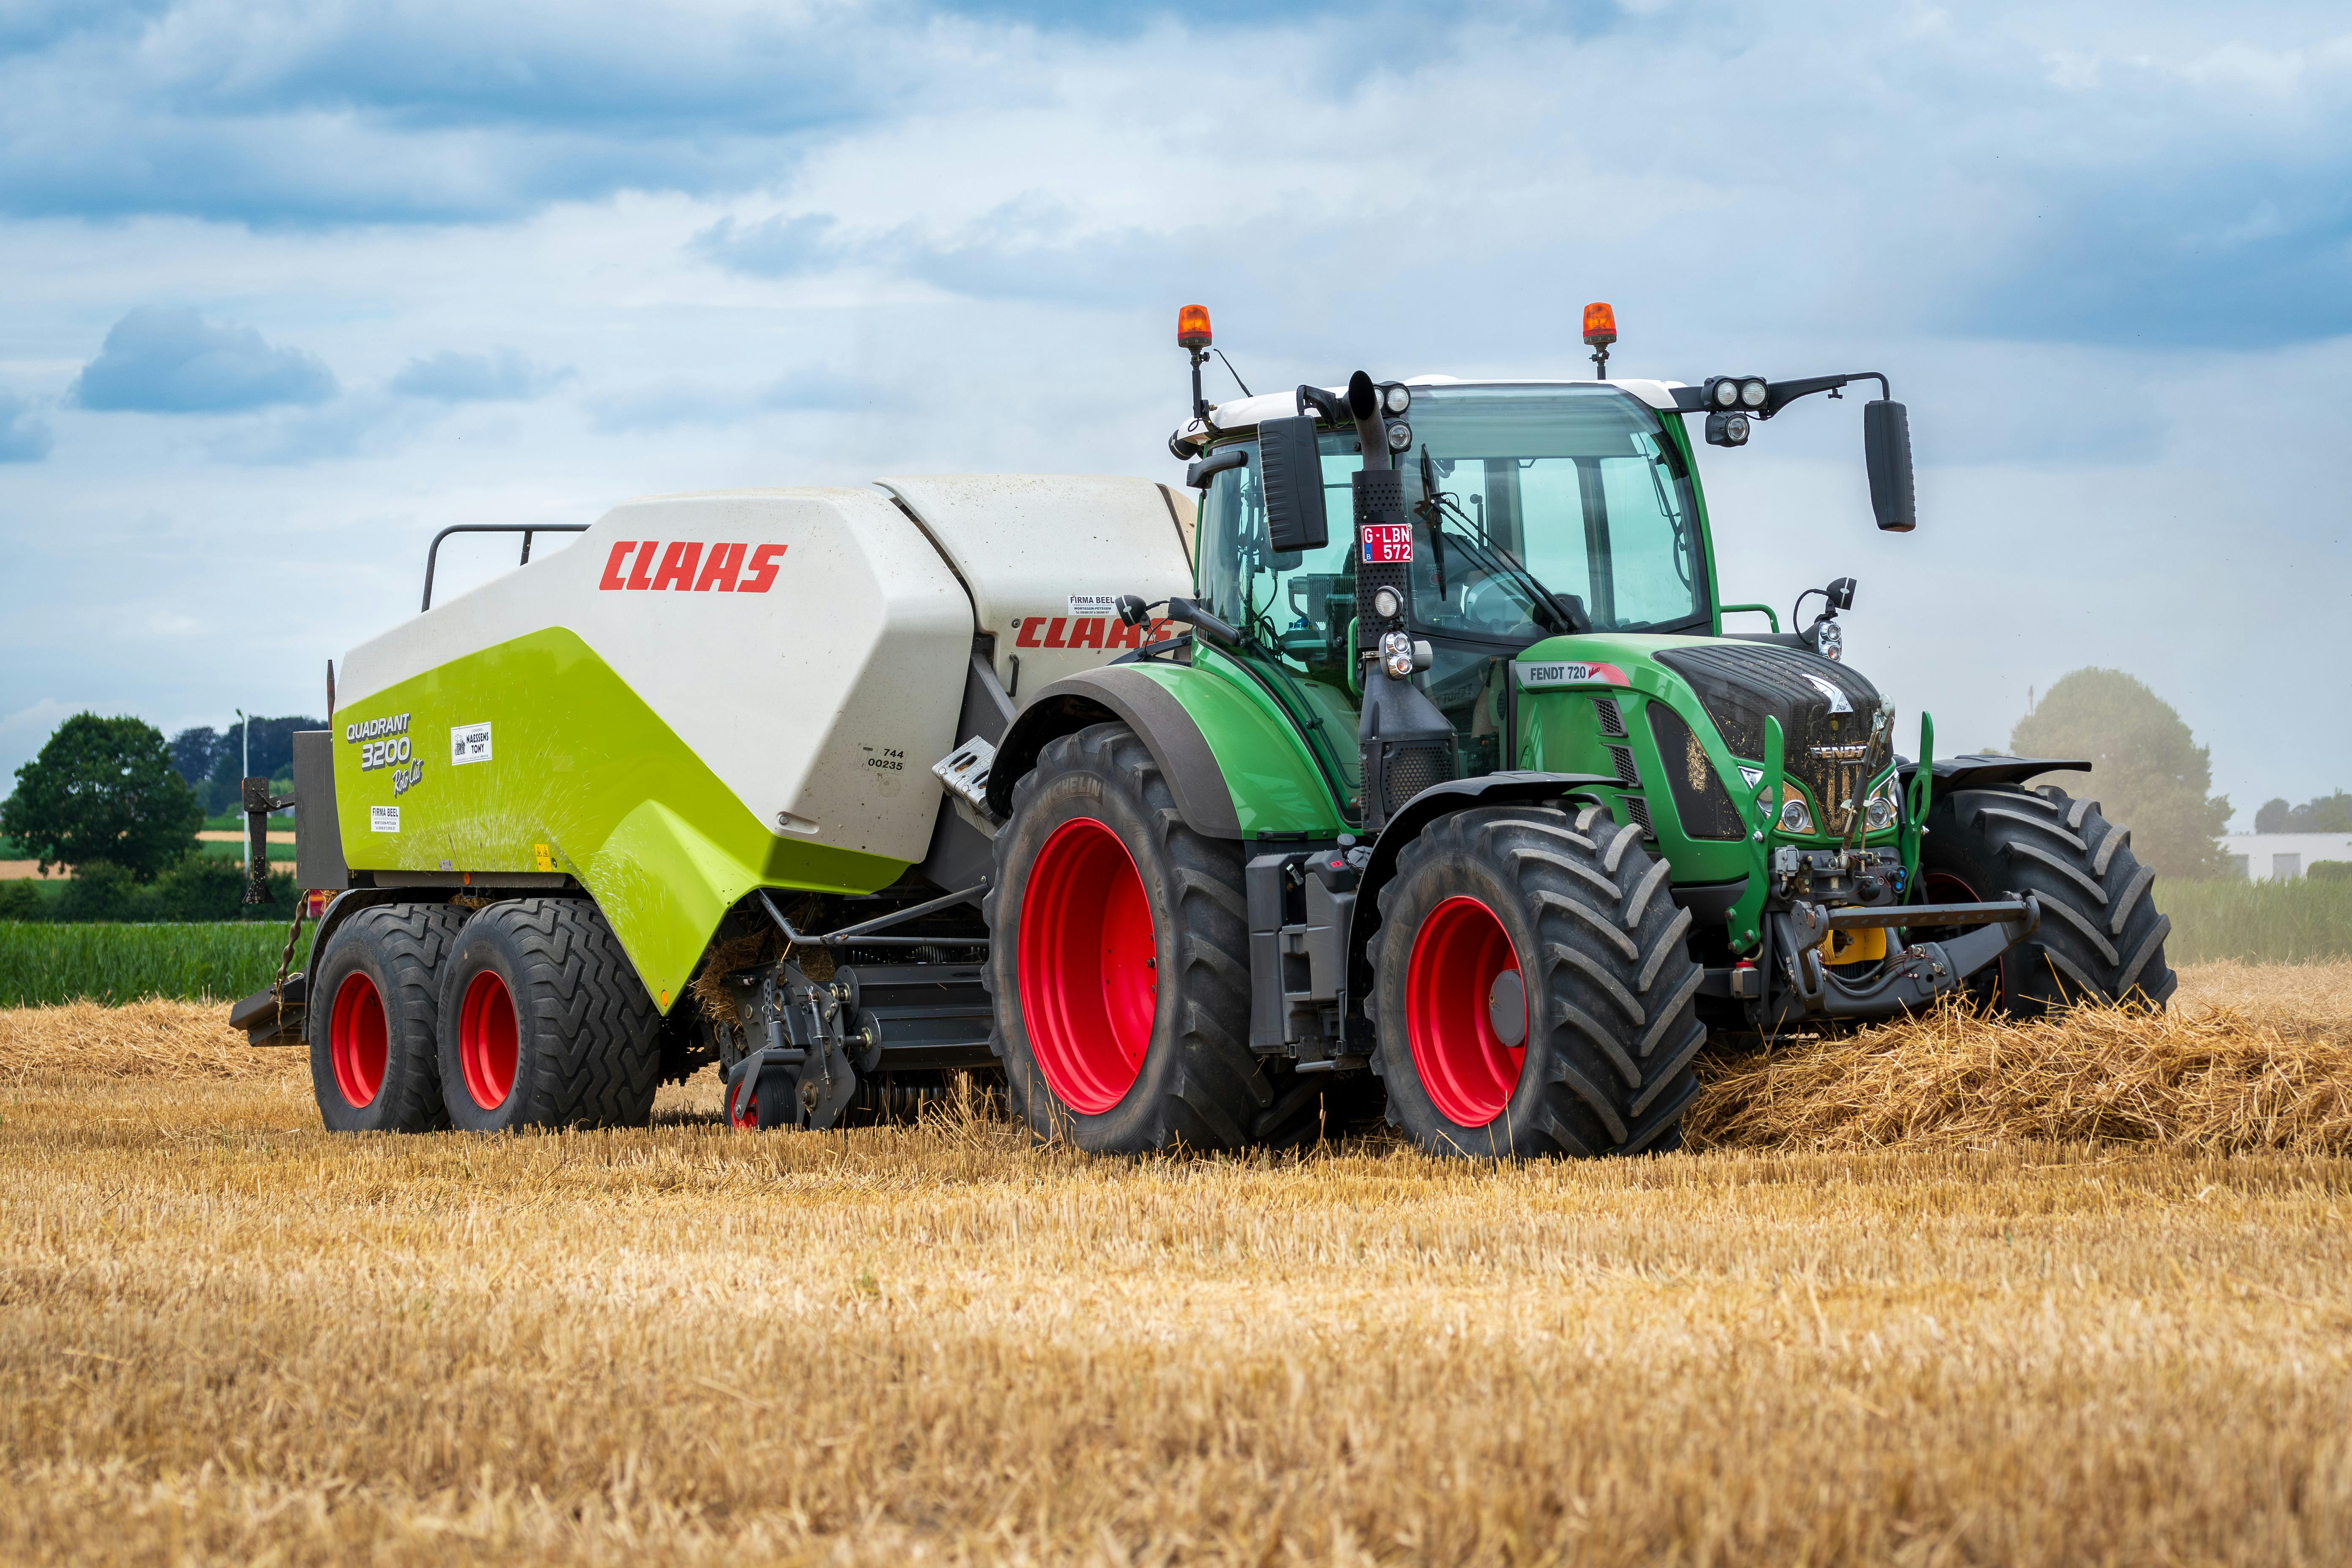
x,y
227,1336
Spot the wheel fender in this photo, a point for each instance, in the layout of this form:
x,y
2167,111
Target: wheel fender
x,y
1144,706
1439,800
1970,771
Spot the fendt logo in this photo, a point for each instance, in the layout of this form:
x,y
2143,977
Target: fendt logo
x,y
682,565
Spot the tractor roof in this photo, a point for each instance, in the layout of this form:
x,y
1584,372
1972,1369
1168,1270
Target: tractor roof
x,y
1244,413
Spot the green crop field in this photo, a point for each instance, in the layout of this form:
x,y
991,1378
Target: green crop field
x,y
45,962
2257,922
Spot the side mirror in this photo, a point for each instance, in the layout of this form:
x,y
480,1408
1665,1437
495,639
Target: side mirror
x,y
1290,477
1886,448
1841,593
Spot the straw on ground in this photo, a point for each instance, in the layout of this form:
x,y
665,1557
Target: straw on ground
x,y
227,1336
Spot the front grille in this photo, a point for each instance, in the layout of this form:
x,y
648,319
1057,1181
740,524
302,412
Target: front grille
x,y
1831,754
1637,811
1613,718
1623,759
1700,799
1412,769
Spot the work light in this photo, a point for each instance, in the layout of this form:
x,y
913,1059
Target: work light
x,y
1753,392
1399,399
1400,438
1396,654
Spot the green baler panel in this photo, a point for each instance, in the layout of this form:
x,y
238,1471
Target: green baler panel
x,y
583,778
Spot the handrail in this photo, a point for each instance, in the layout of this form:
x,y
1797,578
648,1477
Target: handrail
x,y
525,529
1769,614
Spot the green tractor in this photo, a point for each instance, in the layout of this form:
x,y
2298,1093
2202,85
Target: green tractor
x,y
1457,779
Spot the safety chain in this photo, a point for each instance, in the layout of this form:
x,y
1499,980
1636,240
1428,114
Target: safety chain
x,y
286,959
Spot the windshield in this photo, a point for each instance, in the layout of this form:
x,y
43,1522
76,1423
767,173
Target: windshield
x,y
1574,491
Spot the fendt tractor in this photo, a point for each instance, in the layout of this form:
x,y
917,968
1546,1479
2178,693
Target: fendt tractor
x,y
1412,763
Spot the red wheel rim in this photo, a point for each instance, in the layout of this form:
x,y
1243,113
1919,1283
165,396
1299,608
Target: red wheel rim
x,y
1087,965
486,1040
1458,954
359,1042
748,1117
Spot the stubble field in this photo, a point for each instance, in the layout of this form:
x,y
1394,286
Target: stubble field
x,y
1945,1293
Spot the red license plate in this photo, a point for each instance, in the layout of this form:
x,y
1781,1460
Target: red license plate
x,y
1386,541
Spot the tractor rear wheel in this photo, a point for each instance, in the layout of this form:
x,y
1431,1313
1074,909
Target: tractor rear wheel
x,y
2100,939
1119,959
374,1017
1534,991
544,1021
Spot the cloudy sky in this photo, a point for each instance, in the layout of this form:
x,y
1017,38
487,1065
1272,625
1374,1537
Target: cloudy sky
x,y
286,286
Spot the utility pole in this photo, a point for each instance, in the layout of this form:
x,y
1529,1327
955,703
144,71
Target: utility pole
x,y
245,731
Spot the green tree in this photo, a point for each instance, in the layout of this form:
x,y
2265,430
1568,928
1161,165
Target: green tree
x,y
2328,814
103,790
2147,771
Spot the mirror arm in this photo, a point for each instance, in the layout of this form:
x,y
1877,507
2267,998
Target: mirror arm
x,y
1198,476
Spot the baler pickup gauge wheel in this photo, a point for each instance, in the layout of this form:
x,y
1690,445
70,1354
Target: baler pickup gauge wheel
x,y
1534,994
374,1061
1119,968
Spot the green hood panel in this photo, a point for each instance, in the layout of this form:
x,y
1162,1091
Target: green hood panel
x,y
581,777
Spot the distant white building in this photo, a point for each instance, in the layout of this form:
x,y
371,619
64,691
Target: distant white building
x,y
2283,856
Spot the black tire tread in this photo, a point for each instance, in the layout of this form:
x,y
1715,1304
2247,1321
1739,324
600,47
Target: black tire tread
x,y
599,1057
1219,1098
411,941
1619,983
2102,937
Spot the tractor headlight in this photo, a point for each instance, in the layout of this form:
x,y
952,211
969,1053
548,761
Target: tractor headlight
x,y
1884,805
1400,438
1726,393
1396,654
1385,603
1830,640
1399,399
1796,817
1753,393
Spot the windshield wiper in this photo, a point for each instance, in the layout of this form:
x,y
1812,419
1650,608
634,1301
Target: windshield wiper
x,y
1540,599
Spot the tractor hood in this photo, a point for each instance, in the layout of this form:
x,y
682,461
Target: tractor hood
x,y
1825,708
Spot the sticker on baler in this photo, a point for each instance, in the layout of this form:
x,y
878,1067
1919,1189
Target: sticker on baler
x,y
385,818
1387,542
1542,674
1094,604
469,743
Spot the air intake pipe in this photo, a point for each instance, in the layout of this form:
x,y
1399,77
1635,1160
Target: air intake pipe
x,y
1406,743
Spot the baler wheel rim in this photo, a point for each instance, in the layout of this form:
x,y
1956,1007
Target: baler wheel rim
x,y
358,1040
1088,965
1458,954
489,1042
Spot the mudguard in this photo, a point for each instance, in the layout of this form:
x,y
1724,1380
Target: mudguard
x,y
1234,764
1975,772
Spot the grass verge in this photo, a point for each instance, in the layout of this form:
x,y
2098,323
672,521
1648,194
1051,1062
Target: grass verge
x,y
45,962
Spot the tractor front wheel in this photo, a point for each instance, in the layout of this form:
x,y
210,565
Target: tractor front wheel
x,y
1119,963
2102,937
1535,994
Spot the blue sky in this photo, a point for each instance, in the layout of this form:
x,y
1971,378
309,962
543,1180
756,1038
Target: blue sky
x,y
290,286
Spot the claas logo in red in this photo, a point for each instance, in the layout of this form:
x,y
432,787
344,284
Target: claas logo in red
x,y
1084,631
689,567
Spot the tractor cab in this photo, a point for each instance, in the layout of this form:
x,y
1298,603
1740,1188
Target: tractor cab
x,y
1535,510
